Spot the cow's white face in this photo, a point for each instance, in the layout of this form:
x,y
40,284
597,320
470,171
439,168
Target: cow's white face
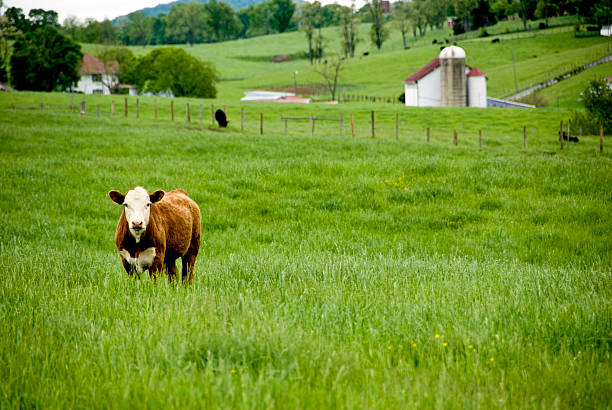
x,y
137,206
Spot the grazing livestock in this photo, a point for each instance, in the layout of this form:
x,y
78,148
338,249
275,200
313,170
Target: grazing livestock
x,y
570,139
495,40
156,229
221,118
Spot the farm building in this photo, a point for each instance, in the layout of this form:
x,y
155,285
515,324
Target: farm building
x,y
447,82
100,78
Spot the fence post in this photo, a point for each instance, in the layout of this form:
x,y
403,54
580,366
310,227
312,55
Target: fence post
x,y
428,134
155,109
241,119
261,123
480,138
561,134
352,125
112,108
455,137
172,109
312,123
41,107
137,109
125,110
524,137
396,126
601,138
188,113
372,124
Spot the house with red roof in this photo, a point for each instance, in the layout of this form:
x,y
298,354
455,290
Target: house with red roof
x,y
98,77
447,82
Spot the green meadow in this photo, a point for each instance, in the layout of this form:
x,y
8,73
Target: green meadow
x,y
335,271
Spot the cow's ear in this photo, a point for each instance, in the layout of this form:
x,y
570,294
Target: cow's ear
x,y
156,196
117,197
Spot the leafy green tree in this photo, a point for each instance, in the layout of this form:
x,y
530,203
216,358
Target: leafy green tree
x,y
40,18
378,31
125,60
18,19
348,30
220,21
45,60
186,23
172,69
8,33
309,20
598,103
282,11
137,29
158,30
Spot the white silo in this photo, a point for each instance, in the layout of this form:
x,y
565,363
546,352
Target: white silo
x,y
453,89
477,88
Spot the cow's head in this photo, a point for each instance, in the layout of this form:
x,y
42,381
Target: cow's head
x,y
137,206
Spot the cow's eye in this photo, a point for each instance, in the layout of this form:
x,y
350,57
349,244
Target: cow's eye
x,y
148,205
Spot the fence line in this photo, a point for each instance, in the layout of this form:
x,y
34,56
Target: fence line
x,y
563,134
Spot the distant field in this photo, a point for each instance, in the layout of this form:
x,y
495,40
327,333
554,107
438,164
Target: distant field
x,y
569,91
335,272
538,55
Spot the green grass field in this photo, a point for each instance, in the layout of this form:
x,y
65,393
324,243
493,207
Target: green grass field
x,y
335,272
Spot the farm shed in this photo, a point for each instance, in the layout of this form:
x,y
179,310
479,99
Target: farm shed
x,y
447,82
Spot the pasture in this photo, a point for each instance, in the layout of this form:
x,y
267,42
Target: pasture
x,y
334,271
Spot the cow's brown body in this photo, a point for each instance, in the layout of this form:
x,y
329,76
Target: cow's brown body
x,y
173,230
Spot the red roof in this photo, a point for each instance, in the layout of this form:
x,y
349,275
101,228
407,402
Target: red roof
x,y
432,65
92,65
475,72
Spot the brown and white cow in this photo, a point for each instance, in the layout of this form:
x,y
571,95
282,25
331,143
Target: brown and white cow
x,y
156,229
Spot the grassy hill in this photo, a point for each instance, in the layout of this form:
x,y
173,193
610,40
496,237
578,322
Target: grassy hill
x,y
536,55
335,272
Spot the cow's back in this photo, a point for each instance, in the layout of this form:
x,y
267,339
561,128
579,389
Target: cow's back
x,y
180,217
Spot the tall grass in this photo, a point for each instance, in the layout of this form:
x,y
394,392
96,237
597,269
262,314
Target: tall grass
x,y
334,272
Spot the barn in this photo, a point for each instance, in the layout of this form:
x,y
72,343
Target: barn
x,y
446,81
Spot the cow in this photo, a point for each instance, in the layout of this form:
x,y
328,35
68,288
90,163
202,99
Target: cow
x,y
221,118
156,229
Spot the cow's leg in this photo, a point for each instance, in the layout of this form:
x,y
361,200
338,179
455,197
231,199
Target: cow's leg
x,y
189,260
172,270
128,268
156,267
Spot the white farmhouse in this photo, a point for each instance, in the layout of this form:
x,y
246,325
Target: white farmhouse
x,y
96,78
447,82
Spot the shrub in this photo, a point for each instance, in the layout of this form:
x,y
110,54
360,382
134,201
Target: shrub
x,y
536,99
598,103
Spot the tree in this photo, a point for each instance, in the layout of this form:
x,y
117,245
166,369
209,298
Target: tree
x,y
45,60
378,31
401,13
137,30
40,18
221,21
598,103
8,33
158,30
186,23
18,19
172,69
124,60
308,22
348,31
331,73
282,11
